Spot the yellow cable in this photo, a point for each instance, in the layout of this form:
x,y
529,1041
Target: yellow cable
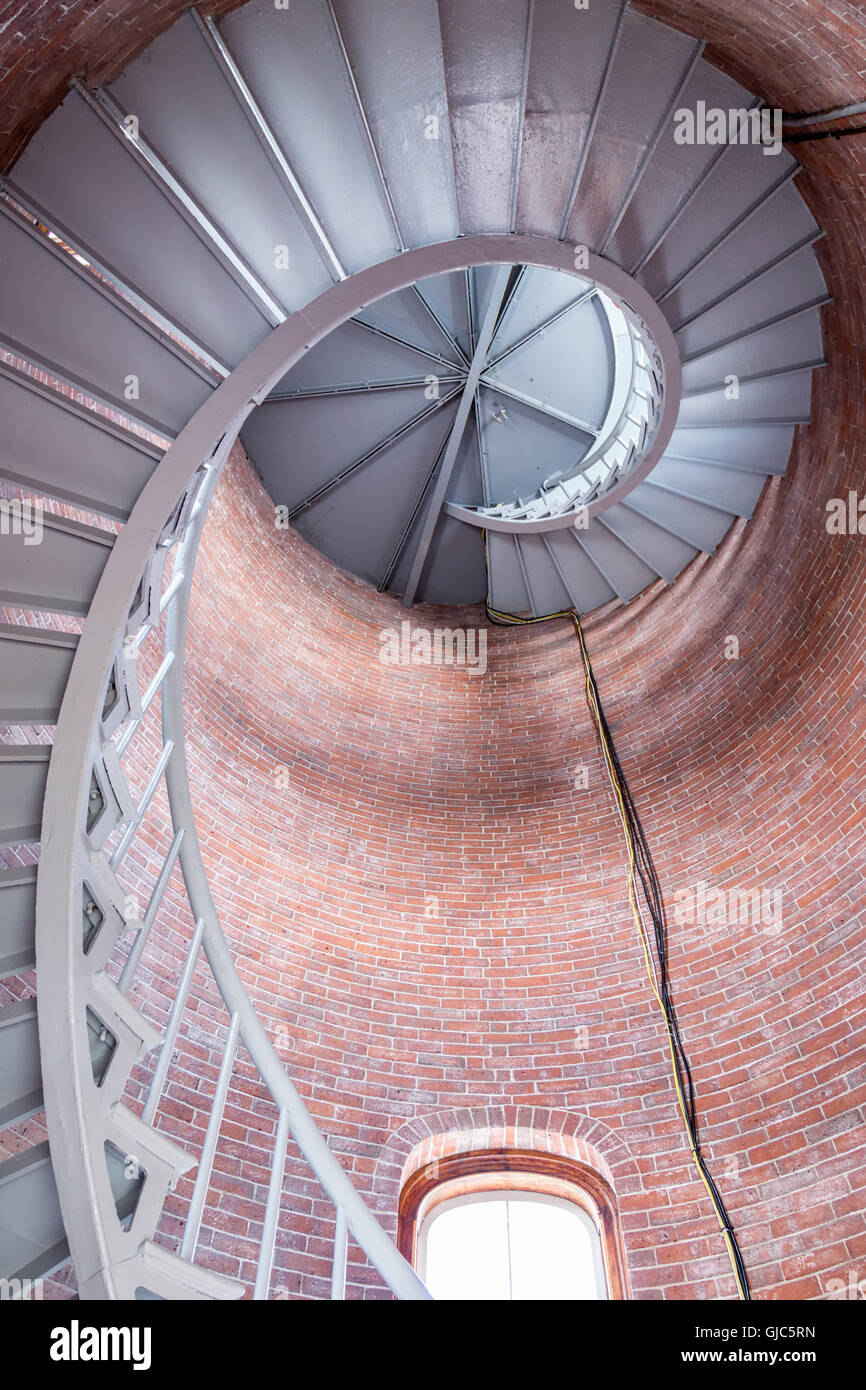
x,y
649,961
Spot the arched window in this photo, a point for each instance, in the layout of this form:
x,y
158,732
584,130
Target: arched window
x,y
510,1224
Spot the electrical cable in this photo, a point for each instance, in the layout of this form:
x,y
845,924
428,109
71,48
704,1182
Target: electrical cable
x,y
642,870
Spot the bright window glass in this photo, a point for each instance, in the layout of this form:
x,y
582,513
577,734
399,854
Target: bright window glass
x,y
519,1245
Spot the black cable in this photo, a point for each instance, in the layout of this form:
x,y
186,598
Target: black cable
x,y
800,138
652,894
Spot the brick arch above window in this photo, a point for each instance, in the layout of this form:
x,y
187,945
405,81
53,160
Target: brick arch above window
x,y
462,1175
568,1133
588,1146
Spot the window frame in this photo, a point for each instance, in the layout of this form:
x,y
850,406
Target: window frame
x,y
499,1170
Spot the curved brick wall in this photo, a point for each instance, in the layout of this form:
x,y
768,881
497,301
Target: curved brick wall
x,y
429,907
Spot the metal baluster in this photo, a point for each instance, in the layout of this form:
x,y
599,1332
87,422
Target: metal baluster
x,y
205,1167
129,732
171,1031
131,963
341,1242
272,1210
131,830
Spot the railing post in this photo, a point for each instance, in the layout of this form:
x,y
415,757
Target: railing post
x,y
205,1167
341,1243
171,1031
272,1210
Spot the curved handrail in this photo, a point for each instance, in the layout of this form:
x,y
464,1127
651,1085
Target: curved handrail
x,y
87,1120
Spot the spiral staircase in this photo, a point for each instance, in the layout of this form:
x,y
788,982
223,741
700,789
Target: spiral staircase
x,y
485,329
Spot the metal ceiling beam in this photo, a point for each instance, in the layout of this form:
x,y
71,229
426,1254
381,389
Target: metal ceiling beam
x,y
486,490
652,145
365,126
541,406
353,388
266,137
470,308
510,299
407,530
542,327
412,347
371,454
113,117
593,121
449,458
441,326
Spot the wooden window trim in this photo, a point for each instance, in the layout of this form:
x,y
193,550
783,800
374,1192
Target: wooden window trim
x,y
529,1170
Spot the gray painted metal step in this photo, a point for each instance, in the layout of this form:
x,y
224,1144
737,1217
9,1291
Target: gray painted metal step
x,y
34,669
295,66
626,573
23,772
543,582
32,1236
567,64
188,112
628,118
395,51
658,549
17,920
727,489
674,172
587,588
49,447
85,176
484,46
782,398
758,448
20,1064
60,573
508,593
795,281
697,523
748,227
54,308
779,347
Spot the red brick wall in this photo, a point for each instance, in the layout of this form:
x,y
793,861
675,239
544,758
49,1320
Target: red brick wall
x,y
420,788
